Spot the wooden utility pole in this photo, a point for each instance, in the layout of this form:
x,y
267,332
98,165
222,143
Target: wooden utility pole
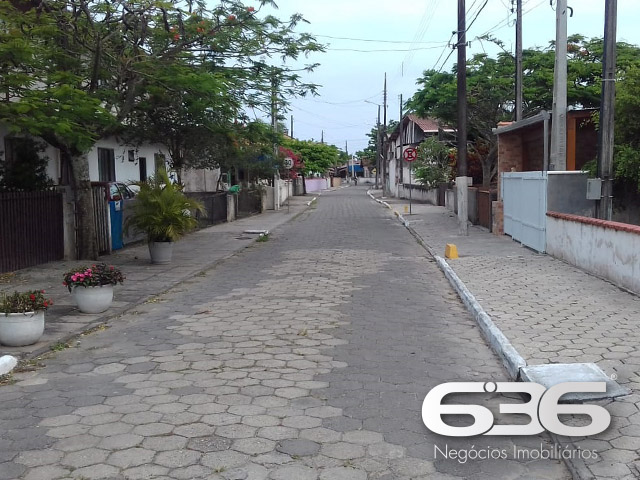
x,y
559,112
461,180
384,139
378,150
518,60
607,111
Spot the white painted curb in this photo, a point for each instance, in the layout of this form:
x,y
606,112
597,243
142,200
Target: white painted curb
x,y
7,363
510,357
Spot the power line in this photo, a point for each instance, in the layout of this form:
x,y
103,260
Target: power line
x,y
374,40
383,50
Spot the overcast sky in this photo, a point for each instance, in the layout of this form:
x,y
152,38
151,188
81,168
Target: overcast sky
x,y
366,38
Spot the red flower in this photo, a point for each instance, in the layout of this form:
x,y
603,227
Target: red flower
x,y
32,297
176,37
231,18
251,9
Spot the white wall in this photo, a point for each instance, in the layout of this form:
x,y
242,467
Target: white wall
x,y
316,184
420,194
125,170
200,180
53,167
607,249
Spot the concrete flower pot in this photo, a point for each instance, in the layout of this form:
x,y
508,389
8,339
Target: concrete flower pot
x,y
93,299
20,329
161,252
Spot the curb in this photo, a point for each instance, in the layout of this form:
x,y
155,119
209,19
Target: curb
x,y
109,317
509,356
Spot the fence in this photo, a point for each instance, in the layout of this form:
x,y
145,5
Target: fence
x,y
525,207
101,220
215,206
31,229
249,202
485,199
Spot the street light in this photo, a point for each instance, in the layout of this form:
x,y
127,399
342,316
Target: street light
x,y
378,153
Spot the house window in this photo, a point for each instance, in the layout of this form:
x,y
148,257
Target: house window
x,y
106,165
142,164
12,146
159,161
132,155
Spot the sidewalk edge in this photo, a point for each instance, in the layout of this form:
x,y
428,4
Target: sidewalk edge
x,y
509,356
107,319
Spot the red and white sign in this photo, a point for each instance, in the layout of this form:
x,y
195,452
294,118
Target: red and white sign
x,y
410,154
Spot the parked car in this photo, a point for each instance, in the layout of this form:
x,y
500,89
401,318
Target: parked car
x,y
115,191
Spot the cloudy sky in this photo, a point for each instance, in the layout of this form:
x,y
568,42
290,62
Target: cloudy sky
x,y
366,39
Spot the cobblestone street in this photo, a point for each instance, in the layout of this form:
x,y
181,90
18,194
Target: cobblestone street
x,y
304,357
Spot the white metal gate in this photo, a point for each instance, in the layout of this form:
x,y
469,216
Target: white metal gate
x,y
524,195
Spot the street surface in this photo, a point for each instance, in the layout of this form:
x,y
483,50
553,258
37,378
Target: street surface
x,y
304,357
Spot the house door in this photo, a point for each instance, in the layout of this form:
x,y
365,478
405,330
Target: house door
x,y
524,195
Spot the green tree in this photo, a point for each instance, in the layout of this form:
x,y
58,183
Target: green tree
x,y
76,70
490,86
317,157
433,165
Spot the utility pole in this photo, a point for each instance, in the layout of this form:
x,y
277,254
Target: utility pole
x,y
378,147
518,60
607,111
291,133
559,112
322,137
400,160
461,180
274,126
384,140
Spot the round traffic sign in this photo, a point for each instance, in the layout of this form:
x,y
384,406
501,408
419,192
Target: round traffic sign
x,y
410,154
288,163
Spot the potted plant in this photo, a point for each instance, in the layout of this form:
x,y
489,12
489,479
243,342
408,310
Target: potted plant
x,y
22,317
92,287
164,213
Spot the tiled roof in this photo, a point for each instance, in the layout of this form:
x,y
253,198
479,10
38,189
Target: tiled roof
x,y
427,125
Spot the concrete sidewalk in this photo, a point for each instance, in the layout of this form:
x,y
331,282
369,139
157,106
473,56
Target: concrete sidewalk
x,y
192,255
551,312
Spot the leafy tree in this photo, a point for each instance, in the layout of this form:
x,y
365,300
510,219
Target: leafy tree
x,y
317,157
490,86
434,163
76,70
627,128
27,172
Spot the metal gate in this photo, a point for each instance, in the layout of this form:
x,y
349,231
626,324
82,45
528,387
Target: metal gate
x,y
31,229
524,195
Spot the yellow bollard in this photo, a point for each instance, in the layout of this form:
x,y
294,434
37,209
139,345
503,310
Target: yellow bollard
x,y
406,209
451,251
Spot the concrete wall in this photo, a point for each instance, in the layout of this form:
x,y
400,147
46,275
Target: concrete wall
x,y
199,180
567,193
53,167
316,184
125,169
419,193
608,249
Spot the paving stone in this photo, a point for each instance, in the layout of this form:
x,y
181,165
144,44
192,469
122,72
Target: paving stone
x,y
130,457
343,473
298,447
293,473
343,450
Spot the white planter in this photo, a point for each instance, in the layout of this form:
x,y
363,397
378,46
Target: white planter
x,y
20,329
161,252
93,299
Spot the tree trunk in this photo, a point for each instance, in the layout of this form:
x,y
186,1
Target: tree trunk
x,y
85,217
486,172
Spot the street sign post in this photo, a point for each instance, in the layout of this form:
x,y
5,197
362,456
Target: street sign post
x,y
410,154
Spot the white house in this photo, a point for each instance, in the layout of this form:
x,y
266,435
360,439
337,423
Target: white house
x,y
414,131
